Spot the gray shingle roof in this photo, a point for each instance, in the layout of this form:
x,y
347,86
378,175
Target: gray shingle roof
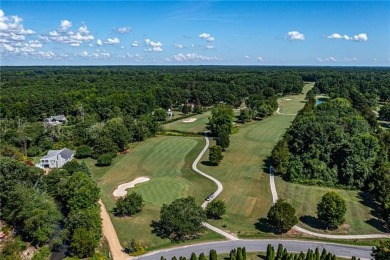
x,y
65,153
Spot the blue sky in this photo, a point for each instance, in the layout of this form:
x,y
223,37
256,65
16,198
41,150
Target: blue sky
x,y
330,33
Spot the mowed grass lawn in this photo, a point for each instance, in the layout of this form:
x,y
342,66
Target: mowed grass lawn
x,y
358,219
194,127
167,161
246,186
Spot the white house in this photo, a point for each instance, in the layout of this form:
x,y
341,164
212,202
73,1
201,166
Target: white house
x,y
55,120
55,158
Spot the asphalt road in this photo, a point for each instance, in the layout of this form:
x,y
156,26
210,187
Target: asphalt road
x,y
260,245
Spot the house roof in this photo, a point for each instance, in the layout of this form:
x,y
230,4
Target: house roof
x,y
65,153
59,117
55,118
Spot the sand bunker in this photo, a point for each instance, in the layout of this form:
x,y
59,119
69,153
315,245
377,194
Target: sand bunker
x,y
189,120
122,189
287,99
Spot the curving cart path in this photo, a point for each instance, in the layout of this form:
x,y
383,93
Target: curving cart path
x,y
314,234
219,190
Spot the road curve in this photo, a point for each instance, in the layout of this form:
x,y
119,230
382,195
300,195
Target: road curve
x,y
314,234
259,245
219,190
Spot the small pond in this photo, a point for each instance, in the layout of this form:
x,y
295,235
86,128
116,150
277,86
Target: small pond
x,y
319,101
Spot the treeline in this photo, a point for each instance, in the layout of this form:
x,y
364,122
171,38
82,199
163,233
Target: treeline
x,y
59,209
103,93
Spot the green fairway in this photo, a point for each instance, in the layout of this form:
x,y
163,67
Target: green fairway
x,y
358,219
195,127
246,187
167,162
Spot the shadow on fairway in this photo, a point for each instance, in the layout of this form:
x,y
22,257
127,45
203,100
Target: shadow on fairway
x,y
262,225
376,221
312,222
207,163
267,162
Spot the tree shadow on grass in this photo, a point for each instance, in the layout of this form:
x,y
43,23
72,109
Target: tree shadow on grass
x,y
267,162
262,225
207,163
312,222
368,201
378,224
375,210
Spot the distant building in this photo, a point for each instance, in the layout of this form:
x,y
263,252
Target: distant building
x,y
55,120
55,158
170,113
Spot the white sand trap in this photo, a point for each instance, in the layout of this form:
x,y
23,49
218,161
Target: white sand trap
x,y
189,120
122,189
287,99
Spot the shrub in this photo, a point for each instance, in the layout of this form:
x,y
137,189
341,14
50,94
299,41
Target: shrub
x,y
83,151
129,205
104,160
215,209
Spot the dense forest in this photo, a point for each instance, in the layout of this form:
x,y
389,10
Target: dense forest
x,y
107,108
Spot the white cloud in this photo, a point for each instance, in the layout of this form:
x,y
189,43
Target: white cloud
x,y
113,41
14,37
260,59
209,47
123,30
178,46
333,59
362,37
152,43
353,59
35,44
295,35
204,35
155,46
62,35
65,25
135,44
99,42
97,54
247,57
191,57
155,49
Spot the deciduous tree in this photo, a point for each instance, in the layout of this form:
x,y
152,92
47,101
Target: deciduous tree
x,y
281,216
331,209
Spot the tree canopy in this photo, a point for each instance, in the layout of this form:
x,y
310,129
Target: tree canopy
x,y
331,209
180,220
281,216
